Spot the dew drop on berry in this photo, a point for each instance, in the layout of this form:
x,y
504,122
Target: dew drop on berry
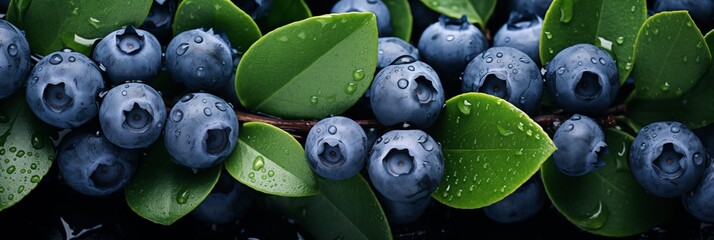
x,y
332,129
182,48
56,59
177,116
12,50
402,83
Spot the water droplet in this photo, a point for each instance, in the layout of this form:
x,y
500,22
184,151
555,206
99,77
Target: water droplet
x,y
550,50
332,130
35,179
450,38
313,99
71,59
602,61
251,175
380,52
37,141
593,60
504,132
358,74
271,173
402,83
465,107
123,92
411,68
207,111
633,8
561,70
548,35
10,170
507,39
499,55
221,106
351,88
198,39
664,87
20,153
182,197
56,59
620,40
182,48
20,189
13,149
200,72
594,219
655,31
698,159
489,59
258,163
643,146
12,50
177,116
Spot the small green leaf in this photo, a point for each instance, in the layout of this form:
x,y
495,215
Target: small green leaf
x,y
671,56
163,192
220,15
51,25
26,150
608,201
283,12
609,24
401,15
269,160
490,149
310,69
478,11
345,209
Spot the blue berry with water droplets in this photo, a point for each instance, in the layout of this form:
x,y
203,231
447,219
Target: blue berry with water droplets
x,y
522,32
227,202
132,115
14,58
581,146
390,49
380,10
129,54
199,59
336,148
520,205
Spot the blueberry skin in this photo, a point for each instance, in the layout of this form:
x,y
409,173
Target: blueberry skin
x,y
255,8
401,213
132,115
667,159
201,130
159,20
199,59
391,48
380,10
14,58
522,32
520,205
129,54
406,165
410,88
698,202
449,45
581,146
507,73
228,201
92,165
538,7
336,148
63,89
583,79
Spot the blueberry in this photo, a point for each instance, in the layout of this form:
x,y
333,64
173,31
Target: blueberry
x,y
201,130
227,202
538,7
667,159
507,73
199,59
583,79
522,32
129,54
391,48
63,89
14,58
449,45
701,11
380,10
336,148
407,212
92,165
255,8
406,165
132,115
580,146
699,202
410,88
520,205
159,20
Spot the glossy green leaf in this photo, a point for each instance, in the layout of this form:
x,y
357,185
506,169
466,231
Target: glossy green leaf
x,y
478,11
490,149
52,25
163,192
270,160
220,15
608,201
26,150
671,56
401,15
345,209
283,12
310,69
609,24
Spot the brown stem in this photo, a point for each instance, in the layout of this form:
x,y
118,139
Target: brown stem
x,y
294,124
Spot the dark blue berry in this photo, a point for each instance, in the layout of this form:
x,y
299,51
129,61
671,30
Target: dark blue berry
x,y
520,205
407,212
391,48
159,20
132,115
380,10
581,146
129,54
199,59
522,32
336,148
14,58
228,201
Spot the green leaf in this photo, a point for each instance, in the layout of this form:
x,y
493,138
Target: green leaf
x,y
26,150
220,15
490,149
163,192
478,11
283,12
52,25
345,209
671,56
610,24
401,15
310,69
269,160
608,201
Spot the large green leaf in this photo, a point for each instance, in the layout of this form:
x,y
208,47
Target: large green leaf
x,y
401,15
52,25
283,12
269,160
478,11
671,56
220,15
310,69
686,109
608,201
610,24
345,209
163,192
26,150
490,149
